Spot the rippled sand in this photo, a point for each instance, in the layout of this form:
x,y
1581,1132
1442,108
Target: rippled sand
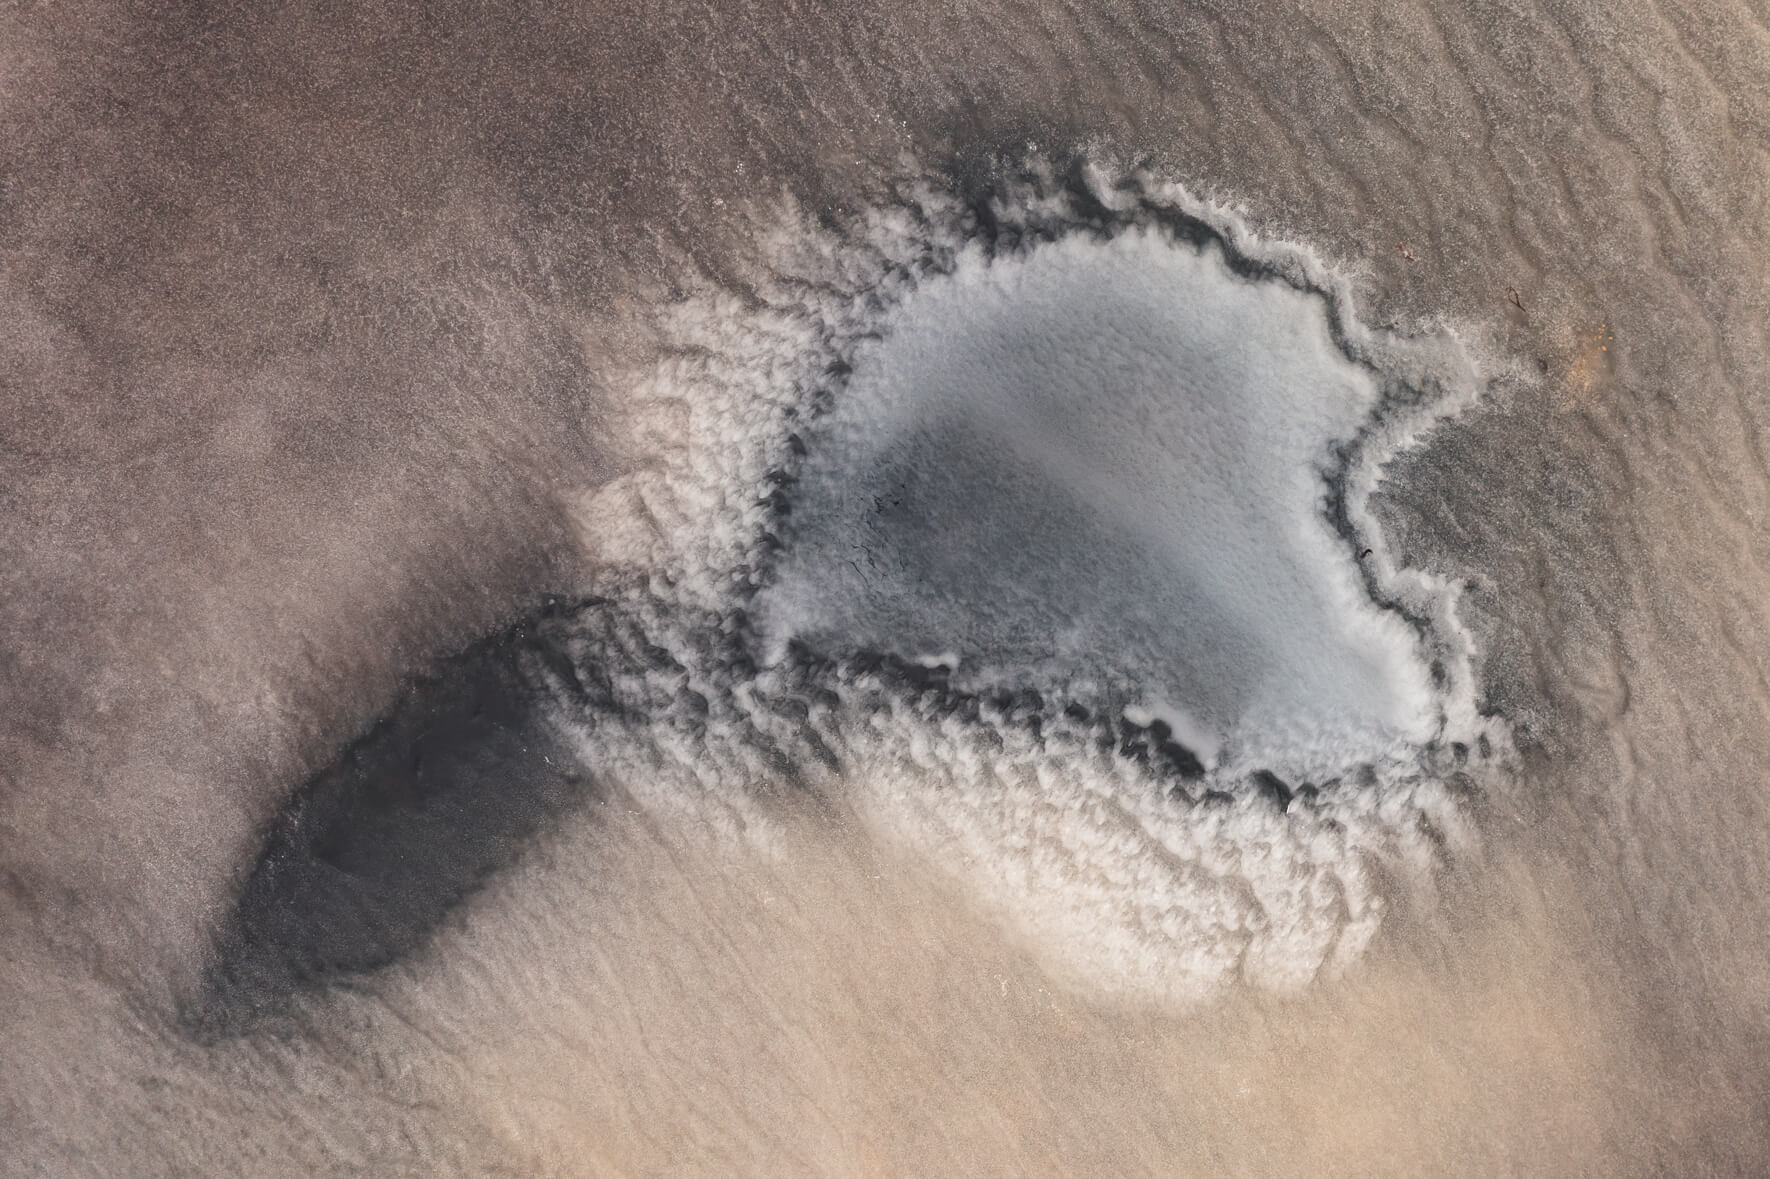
x,y
332,341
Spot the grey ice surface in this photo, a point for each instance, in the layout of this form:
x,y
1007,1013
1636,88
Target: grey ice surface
x,y
1108,463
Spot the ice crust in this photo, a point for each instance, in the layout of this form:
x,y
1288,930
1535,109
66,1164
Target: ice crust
x,y
1108,462
960,523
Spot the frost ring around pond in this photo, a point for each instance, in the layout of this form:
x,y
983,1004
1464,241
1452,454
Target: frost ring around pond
x,y
999,501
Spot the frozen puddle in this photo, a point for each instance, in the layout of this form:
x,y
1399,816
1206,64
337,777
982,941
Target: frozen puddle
x,y
1034,540
1102,468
